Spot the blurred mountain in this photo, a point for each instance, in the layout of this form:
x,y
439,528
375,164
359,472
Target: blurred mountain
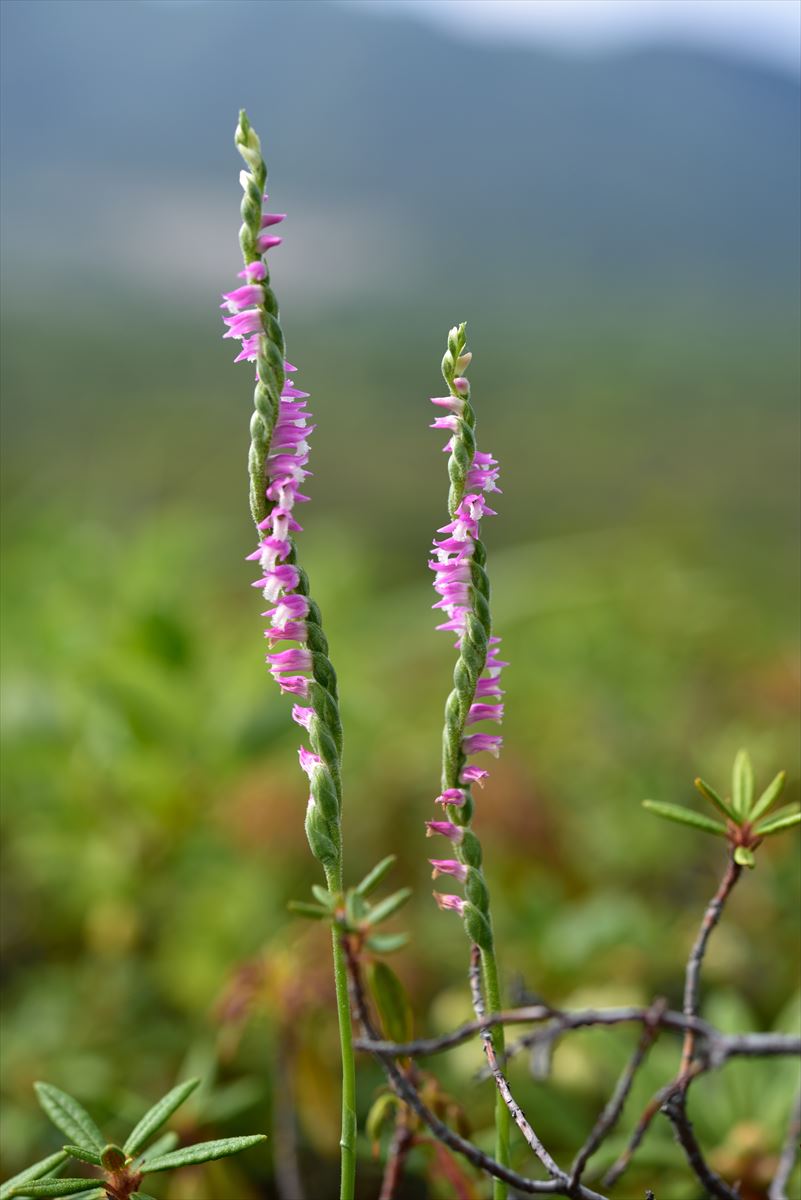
x,y
416,163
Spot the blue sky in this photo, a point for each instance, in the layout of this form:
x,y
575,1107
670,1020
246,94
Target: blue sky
x,y
764,29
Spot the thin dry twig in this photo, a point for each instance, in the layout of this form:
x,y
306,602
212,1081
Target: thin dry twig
x,y
672,1099
778,1187
675,1109
501,1082
611,1112
718,1047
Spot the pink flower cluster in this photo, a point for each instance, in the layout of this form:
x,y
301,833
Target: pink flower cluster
x,y
285,472
452,566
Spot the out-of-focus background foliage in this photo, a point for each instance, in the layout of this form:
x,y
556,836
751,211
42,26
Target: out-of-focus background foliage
x,y
621,231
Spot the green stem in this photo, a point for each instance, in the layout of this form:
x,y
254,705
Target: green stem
x,y
492,996
347,1139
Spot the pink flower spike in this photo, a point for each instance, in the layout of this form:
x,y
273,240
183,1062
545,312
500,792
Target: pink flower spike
x,y
450,903
454,796
473,775
302,716
474,743
253,271
447,829
461,385
266,242
448,866
272,219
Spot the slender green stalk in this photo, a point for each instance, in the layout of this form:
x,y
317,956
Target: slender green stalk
x,y
347,1140
259,327
492,993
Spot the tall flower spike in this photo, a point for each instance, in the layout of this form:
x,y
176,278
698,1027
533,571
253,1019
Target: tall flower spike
x,y
461,583
279,452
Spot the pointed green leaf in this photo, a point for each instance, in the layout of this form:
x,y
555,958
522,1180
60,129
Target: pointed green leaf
x,y
52,1187
386,943
155,1117
302,909
744,857
36,1171
386,908
710,794
95,1194
167,1141
391,1001
87,1156
70,1117
202,1152
685,816
323,896
374,877
777,824
742,784
769,796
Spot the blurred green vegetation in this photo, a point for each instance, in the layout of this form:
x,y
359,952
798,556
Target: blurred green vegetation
x,y
644,568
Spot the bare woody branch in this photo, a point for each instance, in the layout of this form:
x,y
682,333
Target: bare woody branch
x,y
448,1136
611,1113
501,1082
778,1188
675,1109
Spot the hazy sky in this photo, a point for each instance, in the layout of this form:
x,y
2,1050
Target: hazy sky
x,y
767,29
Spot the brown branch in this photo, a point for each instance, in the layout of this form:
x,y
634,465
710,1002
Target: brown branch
x,y
675,1109
611,1112
402,1140
718,1046
641,1128
501,1082
672,1099
448,1136
692,978
778,1188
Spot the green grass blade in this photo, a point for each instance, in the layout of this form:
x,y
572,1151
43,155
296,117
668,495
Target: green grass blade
x,y
70,1117
36,1171
769,796
202,1152
685,816
158,1114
